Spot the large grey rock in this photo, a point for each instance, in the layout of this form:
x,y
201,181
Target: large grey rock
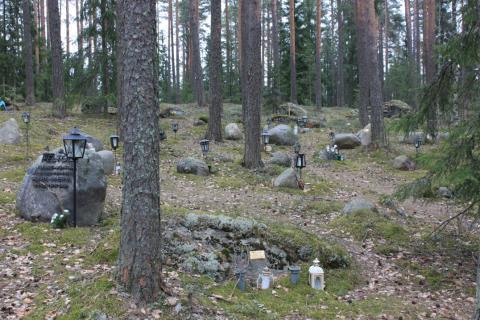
x,y
347,141
288,179
444,192
281,159
108,161
233,132
358,204
10,132
403,163
282,135
47,188
365,135
193,166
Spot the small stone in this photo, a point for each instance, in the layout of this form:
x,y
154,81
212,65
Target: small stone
x,y
172,301
233,132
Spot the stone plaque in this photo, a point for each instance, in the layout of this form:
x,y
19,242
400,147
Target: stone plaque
x,y
54,172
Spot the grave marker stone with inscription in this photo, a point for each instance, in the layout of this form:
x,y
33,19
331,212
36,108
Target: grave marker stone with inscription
x,y
48,188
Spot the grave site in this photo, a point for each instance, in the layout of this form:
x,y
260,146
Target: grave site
x,y
235,159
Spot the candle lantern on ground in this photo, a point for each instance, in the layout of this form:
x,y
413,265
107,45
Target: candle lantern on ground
x,y
162,136
265,139
240,274
74,145
316,276
304,121
265,279
175,128
114,143
294,274
418,143
26,120
300,163
205,145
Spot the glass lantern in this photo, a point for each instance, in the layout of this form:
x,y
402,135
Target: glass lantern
x,y
265,279
114,141
300,162
75,144
265,137
26,117
316,276
205,145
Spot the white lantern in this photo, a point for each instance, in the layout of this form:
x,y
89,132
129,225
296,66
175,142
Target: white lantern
x,y
316,276
265,279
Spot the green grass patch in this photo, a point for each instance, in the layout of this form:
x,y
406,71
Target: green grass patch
x,y
13,175
7,198
323,207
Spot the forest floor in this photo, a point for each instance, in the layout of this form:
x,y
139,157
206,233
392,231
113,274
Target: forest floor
x,y
399,270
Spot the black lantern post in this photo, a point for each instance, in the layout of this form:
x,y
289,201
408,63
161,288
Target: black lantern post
x,y
26,120
205,145
418,143
300,163
114,143
265,138
74,145
175,128
162,136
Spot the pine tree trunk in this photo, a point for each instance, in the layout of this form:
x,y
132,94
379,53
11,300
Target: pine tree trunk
x,y
119,59
177,51
139,263
380,54
341,56
276,53
251,26
416,13
58,89
172,48
476,314
332,96
293,55
36,31
228,42
318,63
387,53
67,28
197,76
215,111
28,54
43,24
105,53
429,59
363,84
78,9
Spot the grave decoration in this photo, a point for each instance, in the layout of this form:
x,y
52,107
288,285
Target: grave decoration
x,y
26,120
266,140
265,279
300,163
294,274
175,128
316,276
332,153
205,145
418,144
114,143
59,221
162,135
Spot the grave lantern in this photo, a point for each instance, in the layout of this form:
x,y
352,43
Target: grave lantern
x,y
26,120
299,121
316,276
265,137
304,121
162,136
240,273
205,145
265,279
300,163
175,128
75,144
114,143
294,274
297,147
418,143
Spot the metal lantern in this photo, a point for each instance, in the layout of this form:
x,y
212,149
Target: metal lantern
x,y
304,121
418,143
175,128
75,144
26,117
265,279
265,137
297,147
114,141
205,145
240,274
299,122
316,276
300,161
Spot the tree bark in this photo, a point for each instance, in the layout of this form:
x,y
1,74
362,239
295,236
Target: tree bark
x,y
228,42
67,28
341,56
43,24
58,89
476,315
276,53
139,264
318,63
177,51
429,59
36,31
197,76
28,54
387,19
215,112
251,26
418,49
363,85
105,54
78,9
293,55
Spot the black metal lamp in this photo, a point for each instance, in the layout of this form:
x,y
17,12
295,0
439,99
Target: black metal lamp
x,y
297,147
26,120
418,143
162,136
300,163
205,145
299,122
75,144
265,137
114,143
304,120
175,128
